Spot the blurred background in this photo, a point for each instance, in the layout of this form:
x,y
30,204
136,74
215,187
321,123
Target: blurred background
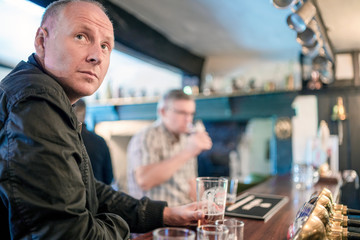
x,y
270,70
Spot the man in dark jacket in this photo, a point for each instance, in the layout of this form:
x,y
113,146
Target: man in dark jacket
x,y
47,187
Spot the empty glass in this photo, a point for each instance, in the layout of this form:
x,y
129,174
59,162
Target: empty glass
x,y
212,232
173,233
231,191
236,228
304,176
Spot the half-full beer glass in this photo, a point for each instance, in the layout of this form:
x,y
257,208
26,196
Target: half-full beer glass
x,y
211,198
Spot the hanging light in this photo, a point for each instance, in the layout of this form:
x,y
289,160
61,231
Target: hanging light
x,y
308,37
325,68
313,50
311,33
300,19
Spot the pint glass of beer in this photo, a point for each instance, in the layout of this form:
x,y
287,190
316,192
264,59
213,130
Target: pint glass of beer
x,y
211,198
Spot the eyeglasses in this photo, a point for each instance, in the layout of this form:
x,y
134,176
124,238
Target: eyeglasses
x,y
183,113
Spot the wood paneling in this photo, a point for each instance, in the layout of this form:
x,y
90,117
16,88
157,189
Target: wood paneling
x,y
349,152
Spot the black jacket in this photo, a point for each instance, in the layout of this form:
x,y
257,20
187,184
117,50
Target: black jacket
x,y
47,187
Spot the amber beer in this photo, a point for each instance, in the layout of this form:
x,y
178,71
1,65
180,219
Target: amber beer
x,y
229,203
210,219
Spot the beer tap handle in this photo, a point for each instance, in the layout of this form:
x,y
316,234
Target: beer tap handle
x,y
353,223
354,229
353,236
353,211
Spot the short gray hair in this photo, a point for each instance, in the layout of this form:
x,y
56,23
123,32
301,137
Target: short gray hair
x,y
54,8
174,94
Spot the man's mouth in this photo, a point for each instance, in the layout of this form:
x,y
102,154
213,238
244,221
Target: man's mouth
x,y
90,73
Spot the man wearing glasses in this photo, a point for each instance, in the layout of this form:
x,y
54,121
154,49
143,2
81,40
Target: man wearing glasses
x,y
161,158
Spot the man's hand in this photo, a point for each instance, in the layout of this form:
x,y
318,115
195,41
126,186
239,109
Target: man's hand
x,y
198,142
184,215
149,176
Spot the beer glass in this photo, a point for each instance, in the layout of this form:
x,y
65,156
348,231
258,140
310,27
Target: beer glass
x,y
173,233
211,198
212,232
236,228
231,190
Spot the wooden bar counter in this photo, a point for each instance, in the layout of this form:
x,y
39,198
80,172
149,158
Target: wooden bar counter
x,y
277,226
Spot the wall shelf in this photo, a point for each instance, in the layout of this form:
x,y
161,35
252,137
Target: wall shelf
x,y
239,107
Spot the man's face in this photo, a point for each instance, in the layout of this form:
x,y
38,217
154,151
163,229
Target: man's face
x,y
177,115
77,48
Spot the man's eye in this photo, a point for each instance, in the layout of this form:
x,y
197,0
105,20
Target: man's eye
x,y
105,46
80,37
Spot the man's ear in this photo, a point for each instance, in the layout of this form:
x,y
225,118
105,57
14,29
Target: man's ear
x,y
41,34
161,111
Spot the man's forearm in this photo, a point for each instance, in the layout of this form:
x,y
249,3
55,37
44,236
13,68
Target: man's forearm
x,y
155,174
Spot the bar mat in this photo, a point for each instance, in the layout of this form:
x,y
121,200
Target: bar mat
x,y
256,205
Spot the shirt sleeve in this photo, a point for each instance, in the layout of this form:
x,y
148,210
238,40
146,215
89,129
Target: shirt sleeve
x,y
151,147
143,149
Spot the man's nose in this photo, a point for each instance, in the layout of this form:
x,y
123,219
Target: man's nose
x,y
189,117
95,54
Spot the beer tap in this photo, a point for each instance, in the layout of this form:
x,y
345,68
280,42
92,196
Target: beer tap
x,y
339,207
344,220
